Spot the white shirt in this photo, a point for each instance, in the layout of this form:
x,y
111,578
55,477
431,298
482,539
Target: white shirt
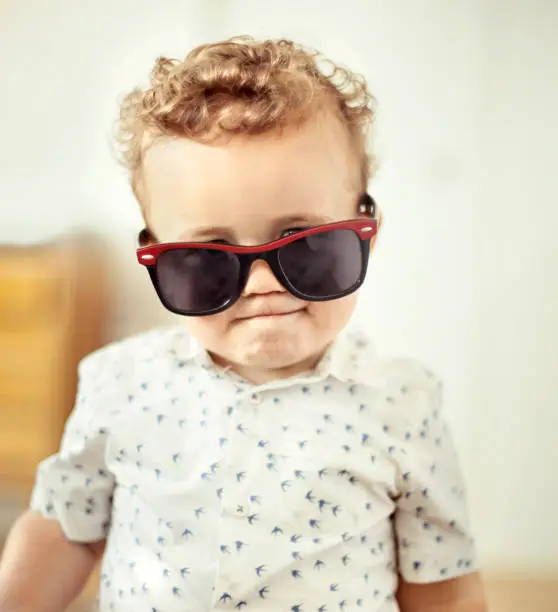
x,y
298,495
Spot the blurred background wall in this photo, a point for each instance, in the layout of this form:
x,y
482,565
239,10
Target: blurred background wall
x,y
465,275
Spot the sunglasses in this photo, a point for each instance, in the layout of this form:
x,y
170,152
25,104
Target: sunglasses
x,y
326,262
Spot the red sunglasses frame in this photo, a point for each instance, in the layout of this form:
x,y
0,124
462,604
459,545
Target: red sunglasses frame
x,y
366,229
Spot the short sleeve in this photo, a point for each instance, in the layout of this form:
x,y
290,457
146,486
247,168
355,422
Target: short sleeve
x,y
431,519
74,486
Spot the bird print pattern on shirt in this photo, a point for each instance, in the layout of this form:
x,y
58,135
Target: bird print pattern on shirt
x,y
221,496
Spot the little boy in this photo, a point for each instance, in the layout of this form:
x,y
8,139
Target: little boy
x,y
259,456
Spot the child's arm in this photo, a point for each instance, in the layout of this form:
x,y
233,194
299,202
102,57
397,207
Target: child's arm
x,y
436,551
463,594
53,548
42,571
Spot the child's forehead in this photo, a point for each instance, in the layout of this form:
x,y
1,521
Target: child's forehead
x,y
306,176
249,220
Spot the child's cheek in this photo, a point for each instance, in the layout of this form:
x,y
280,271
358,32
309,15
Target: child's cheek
x,y
331,317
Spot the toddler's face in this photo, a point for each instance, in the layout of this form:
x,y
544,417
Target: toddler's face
x,y
248,191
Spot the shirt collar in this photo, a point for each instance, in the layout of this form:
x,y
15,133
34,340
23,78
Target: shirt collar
x,y
349,359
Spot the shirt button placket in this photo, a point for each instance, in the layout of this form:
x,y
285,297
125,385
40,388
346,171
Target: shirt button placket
x,y
236,504
239,504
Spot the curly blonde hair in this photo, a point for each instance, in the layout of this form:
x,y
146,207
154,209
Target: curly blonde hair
x,y
241,86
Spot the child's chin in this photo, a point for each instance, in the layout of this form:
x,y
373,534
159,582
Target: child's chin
x,y
270,348
273,329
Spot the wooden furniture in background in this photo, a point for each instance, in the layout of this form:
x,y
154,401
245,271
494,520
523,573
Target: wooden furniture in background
x,y
53,311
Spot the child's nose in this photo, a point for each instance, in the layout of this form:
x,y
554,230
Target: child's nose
x,y
261,280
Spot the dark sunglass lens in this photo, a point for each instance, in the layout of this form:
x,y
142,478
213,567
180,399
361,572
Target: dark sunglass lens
x,y
197,280
323,265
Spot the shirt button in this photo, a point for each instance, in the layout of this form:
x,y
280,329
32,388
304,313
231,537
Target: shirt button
x,y
240,510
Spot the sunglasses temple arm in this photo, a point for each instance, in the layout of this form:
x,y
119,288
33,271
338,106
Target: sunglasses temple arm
x,y
146,238
367,206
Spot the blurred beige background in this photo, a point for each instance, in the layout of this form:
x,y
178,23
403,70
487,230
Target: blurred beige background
x,y
465,275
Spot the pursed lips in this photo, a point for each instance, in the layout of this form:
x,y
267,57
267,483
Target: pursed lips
x,y
269,313
275,314
269,306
